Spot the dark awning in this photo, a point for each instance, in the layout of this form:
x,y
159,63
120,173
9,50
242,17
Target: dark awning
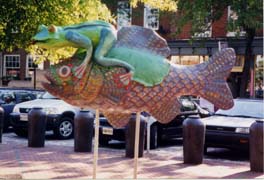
x,y
210,46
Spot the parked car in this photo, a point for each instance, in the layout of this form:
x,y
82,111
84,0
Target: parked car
x,y
60,116
230,128
158,131
8,100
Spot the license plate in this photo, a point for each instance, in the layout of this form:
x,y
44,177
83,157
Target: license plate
x,y
107,131
23,117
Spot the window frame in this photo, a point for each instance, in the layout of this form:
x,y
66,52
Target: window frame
x,y
148,16
124,15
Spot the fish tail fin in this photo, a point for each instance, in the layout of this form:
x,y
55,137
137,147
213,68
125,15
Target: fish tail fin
x,y
215,73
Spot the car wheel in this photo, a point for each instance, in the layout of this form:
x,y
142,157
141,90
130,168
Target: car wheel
x,y
153,136
64,128
103,141
20,132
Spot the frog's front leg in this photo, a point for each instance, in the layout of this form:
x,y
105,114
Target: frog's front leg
x,y
80,41
107,39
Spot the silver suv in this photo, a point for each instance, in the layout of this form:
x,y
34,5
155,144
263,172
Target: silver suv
x,y
60,116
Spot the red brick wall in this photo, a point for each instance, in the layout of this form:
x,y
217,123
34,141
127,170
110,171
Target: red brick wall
x,y
219,27
138,15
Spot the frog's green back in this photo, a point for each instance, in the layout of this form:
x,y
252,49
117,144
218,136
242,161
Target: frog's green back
x,y
145,50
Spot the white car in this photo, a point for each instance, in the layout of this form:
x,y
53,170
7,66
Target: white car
x,y
60,116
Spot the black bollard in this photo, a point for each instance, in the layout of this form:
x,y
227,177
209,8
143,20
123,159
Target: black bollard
x,y
83,131
1,123
256,146
130,137
193,140
36,127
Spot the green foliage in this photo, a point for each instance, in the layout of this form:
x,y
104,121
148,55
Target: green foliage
x,y
249,14
19,19
163,5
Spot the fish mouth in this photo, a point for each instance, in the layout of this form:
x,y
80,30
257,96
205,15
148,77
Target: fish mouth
x,y
51,85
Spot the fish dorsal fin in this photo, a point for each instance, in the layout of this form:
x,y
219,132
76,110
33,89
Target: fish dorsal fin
x,y
138,37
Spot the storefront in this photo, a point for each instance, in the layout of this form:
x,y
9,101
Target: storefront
x,y
185,53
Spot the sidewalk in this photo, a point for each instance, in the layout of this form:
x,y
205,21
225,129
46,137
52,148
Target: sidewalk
x,y
59,161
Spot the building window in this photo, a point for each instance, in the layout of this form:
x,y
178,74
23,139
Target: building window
x,y
239,64
151,17
124,14
31,66
205,30
12,66
232,18
188,60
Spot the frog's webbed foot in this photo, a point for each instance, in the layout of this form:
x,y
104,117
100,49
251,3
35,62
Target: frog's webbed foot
x,y
84,42
123,80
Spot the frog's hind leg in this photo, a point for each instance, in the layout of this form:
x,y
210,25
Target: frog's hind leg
x,y
107,40
81,41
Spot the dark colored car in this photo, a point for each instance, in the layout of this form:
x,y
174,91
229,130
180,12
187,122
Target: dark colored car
x,y
8,100
230,128
158,131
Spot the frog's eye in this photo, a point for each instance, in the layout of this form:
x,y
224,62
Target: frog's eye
x,y
52,28
64,71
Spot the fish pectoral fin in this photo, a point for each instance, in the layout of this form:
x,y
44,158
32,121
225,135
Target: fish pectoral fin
x,y
123,80
117,119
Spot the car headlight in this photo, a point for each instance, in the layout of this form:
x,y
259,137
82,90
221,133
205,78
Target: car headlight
x,y
51,110
243,130
16,109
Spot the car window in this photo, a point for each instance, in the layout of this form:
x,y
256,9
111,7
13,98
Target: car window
x,y
8,98
27,97
48,96
187,105
244,108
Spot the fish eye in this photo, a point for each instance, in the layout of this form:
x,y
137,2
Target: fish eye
x,y
64,71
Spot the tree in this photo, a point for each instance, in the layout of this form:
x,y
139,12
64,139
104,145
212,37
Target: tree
x,y
249,17
19,19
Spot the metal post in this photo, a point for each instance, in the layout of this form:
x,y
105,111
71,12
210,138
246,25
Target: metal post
x,y
148,134
96,137
35,75
136,145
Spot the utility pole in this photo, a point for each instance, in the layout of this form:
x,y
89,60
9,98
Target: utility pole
x,y
35,74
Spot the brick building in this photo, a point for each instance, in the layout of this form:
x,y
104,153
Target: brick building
x,y
18,65
186,53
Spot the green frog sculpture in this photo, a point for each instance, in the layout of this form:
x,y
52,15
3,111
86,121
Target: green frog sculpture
x,y
97,76
98,38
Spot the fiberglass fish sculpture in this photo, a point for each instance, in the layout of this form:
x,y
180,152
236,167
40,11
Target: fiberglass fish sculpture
x,y
92,84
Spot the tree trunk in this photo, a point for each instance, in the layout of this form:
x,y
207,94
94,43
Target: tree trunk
x,y
249,62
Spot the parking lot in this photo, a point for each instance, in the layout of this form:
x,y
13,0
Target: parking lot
x,y
57,160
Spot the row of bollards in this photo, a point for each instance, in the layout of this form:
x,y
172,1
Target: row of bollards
x,y
193,136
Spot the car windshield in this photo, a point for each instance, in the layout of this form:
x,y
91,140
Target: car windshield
x,y
244,108
48,96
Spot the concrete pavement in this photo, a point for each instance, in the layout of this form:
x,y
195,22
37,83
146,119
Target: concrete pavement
x,y
57,160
